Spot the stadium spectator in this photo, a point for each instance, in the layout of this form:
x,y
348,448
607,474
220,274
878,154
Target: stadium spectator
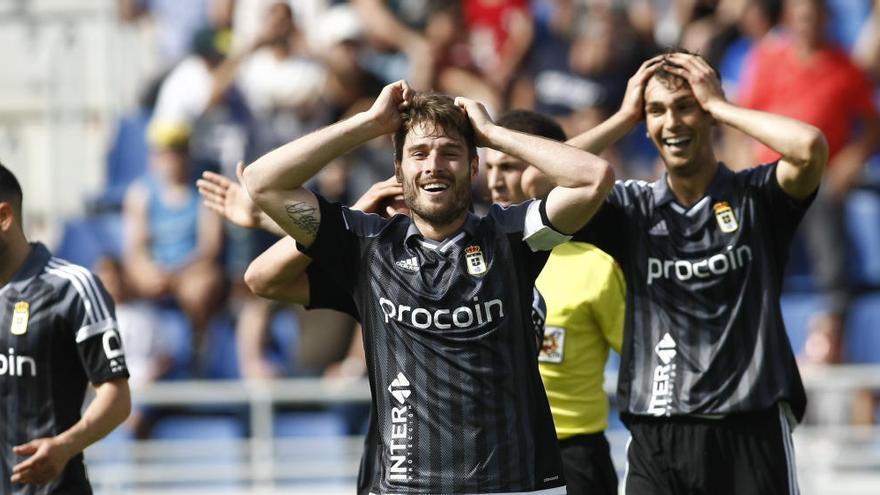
x,y
486,259
172,242
584,293
708,388
59,334
500,33
800,74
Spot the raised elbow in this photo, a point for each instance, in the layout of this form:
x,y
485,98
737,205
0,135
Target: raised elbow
x,y
818,147
257,281
253,182
604,178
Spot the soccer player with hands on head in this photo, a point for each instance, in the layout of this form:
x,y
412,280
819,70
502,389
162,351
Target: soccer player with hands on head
x,y
444,296
708,384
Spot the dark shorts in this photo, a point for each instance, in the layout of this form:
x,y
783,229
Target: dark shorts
x,y
740,454
586,461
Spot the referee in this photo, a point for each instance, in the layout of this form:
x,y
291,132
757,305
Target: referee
x,y
444,296
57,333
708,384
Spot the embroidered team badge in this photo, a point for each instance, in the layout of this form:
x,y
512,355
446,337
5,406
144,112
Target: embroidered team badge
x,y
476,264
553,348
20,315
726,218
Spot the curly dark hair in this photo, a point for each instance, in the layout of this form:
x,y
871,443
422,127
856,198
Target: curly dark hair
x,y
440,116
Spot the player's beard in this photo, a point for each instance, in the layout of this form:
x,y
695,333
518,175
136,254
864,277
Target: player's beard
x,y
442,214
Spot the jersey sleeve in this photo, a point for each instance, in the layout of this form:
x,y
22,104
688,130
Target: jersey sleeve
x,y
324,293
530,233
336,248
92,316
607,229
782,210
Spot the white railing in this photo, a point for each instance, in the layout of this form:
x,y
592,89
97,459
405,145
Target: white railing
x,y
832,459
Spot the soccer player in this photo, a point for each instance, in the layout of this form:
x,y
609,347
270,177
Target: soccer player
x,y
584,293
709,387
444,296
57,333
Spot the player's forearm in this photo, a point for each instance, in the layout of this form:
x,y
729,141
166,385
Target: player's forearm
x,y
111,406
599,138
291,165
799,143
279,273
565,165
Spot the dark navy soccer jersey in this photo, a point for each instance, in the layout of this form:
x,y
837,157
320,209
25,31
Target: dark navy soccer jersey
x,y
703,331
450,347
57,333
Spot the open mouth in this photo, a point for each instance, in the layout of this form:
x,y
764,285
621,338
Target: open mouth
x,y
434,187
677,142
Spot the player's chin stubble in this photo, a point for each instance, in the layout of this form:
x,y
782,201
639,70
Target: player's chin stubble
x,y
441,215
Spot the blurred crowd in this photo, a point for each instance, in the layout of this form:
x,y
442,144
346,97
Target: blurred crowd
x,y
238,78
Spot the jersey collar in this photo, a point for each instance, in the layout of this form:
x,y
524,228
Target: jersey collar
x,y
32,266
468,229
663,194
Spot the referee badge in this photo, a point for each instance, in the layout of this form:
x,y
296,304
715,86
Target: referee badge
x,y
20,316
476,264
726,218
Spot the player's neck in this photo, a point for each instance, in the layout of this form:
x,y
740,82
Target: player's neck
x,y
437,232
16,253
688,189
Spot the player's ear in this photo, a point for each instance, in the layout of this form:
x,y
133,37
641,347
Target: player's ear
x,y
7,216
475,166
398,174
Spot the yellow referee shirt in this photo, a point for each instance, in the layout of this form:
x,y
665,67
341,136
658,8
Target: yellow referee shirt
x,y
585,294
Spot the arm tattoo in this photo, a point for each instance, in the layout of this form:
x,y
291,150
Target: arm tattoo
x,y
303,216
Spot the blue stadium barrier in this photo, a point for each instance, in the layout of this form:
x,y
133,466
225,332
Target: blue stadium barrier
x,y
796,312
862,340
193,427
862,211
309,424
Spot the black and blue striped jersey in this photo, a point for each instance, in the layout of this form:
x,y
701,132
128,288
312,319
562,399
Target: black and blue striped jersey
x,y
57,333
451,350
703,332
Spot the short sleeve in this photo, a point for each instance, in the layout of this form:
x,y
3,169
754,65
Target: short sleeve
x,y
324,293
784,212
607,229
93,319
337,244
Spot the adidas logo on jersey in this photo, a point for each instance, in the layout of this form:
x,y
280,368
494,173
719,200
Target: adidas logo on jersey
x,y
659,229
399,388
411,264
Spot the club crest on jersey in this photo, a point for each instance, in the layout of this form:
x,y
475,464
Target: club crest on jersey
x,y
726,218
476,264
20,315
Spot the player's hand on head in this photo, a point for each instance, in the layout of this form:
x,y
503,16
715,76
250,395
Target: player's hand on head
x,y
633,105
46,458
393,100
699,74
379,195
480,119
229,198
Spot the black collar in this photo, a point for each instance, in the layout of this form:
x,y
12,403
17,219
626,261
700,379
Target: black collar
x,y
470,226
31,267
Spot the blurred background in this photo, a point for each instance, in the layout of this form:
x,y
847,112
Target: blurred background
x,y
110,109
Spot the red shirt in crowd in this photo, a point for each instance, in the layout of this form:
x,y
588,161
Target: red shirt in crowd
x,y
826,90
